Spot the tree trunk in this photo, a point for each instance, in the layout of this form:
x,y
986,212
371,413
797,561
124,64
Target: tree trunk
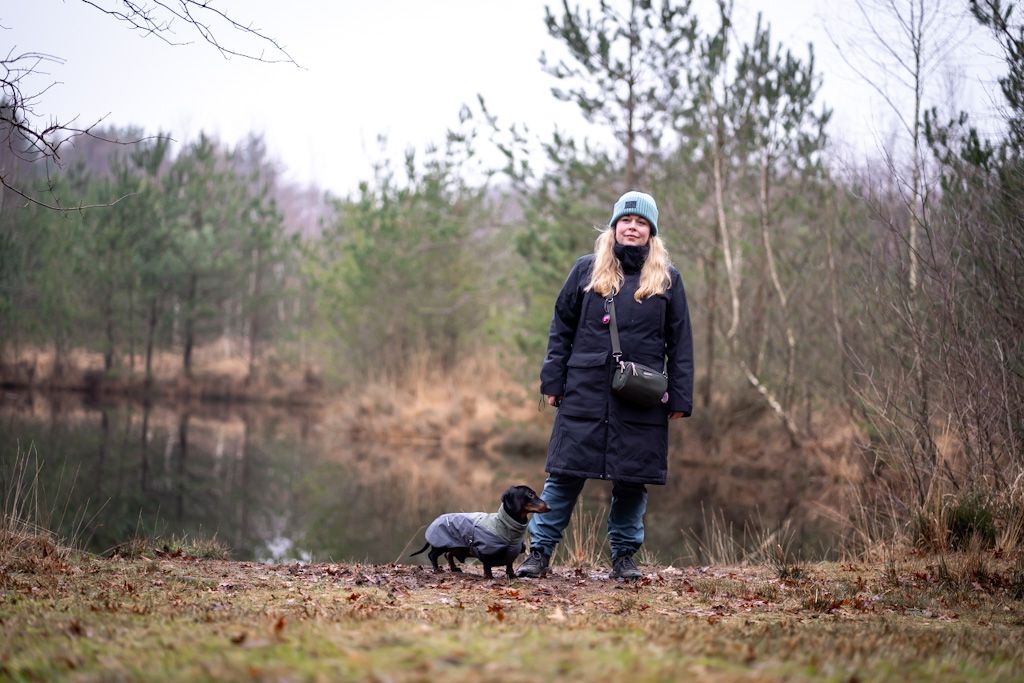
x,y
759,326
108,315
631,104
787,421
150,339
131,329
144,463
731,275
711,280
924,436
787,385
109,322
833,283
254,314
59,353
190,317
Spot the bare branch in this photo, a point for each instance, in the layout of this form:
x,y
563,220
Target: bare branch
x,y
870,81
885,44
157,19
55,207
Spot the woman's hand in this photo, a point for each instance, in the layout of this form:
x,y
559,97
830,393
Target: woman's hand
x,y
675,414
553,401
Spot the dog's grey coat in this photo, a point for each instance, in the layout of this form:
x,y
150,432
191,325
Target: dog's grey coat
x,y
483,533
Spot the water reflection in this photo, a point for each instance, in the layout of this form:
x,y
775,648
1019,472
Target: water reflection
x,y
276,484
107,473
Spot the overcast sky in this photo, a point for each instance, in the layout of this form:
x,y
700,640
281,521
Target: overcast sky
x,y
402,69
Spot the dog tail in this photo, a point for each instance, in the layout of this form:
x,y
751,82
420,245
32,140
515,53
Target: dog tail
x,y
425,546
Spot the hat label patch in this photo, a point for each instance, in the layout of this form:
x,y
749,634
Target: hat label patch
x,y
631,205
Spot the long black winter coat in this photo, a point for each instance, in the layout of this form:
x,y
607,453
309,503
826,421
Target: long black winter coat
x,y
596,435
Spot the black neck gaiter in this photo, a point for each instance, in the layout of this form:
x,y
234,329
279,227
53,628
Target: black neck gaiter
x,y
632,257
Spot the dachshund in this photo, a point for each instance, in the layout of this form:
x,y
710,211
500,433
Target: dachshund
x,y
494,538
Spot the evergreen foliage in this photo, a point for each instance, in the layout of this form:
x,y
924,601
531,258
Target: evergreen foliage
x,y
402,270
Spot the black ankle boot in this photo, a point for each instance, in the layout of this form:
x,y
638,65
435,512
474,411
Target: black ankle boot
x,y
535,566
623,567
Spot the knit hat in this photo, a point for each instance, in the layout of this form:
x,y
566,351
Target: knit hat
x,y
635,203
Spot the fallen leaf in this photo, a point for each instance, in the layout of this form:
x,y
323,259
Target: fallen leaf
x,y
557,615
497,610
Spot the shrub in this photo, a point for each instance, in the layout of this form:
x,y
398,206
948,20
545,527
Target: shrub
x,y
971,517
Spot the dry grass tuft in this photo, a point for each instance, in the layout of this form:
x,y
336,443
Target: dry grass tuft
x,y
965,569
585,544
25,545
24,548
717,543
183,546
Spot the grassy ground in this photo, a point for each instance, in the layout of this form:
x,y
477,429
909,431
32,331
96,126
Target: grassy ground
x,y
169,616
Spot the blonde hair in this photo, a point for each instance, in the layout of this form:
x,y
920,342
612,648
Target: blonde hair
x,y
607,277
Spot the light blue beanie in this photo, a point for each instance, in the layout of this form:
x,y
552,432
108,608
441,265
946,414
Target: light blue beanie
x,y
636,204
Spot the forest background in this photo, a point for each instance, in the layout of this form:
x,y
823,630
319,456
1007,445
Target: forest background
x,y
881,301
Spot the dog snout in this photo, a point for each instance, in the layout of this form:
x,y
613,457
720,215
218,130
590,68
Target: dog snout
x,y
537,505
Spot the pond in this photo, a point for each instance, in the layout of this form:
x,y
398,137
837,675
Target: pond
x,y
279,485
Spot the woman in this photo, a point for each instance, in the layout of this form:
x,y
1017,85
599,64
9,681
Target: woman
x,y
597,435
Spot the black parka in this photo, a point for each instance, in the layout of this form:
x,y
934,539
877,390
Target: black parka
x,y
596,435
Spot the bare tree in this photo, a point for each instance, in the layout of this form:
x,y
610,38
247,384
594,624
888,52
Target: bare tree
x,y
754,117
896,47
30,136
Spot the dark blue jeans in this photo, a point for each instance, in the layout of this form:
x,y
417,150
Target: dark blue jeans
x,y
625,518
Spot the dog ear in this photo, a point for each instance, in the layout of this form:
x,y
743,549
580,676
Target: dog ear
x,y
507,498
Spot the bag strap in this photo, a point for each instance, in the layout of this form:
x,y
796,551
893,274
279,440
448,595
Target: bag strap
x,y
613,327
